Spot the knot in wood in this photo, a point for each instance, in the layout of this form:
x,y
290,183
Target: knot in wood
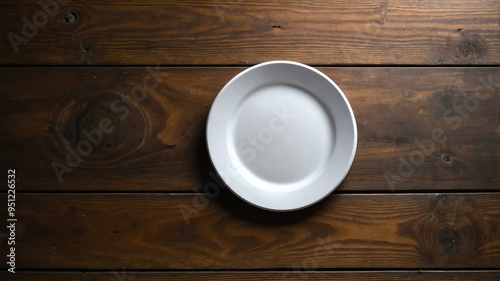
x,y
468,47
449,239
449,234
85,123
68,17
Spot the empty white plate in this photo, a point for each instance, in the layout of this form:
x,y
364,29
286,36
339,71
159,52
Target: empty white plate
x,y
281,135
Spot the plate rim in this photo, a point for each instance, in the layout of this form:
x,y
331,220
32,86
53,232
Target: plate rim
x,y
346,103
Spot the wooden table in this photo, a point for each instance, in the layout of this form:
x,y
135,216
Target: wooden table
x,y
103,110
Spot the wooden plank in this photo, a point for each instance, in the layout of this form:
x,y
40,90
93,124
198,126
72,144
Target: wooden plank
x,y
155,231
239,32
158,143
122,275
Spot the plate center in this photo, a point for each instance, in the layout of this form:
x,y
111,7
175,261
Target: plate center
x,y
282,134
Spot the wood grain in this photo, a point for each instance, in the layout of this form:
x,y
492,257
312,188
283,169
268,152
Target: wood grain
x,y
123,275
158,143
168,231
222,32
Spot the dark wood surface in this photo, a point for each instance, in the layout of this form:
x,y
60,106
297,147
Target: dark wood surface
x,y
160,145
421,201
169,231
241,32
121,274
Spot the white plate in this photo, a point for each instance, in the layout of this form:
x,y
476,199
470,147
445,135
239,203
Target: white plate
x,y
281,135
